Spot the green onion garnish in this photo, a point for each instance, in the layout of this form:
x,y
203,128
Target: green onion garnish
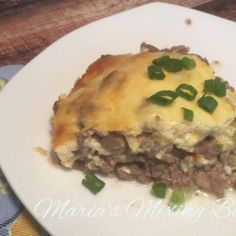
x,y
188,64
209,86
220,87
159,190
177,199
186,91
164,97
207,103
188,114
215,86
173,65
162,61
155,72
93,183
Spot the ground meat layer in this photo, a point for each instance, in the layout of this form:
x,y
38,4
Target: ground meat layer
x,y
207,167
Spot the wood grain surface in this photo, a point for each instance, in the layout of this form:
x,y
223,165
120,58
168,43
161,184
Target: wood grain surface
x,y
28,26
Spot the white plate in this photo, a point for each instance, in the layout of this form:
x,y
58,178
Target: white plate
x,y
26,108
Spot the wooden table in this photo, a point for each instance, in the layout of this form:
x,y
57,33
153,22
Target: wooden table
x,y
28,26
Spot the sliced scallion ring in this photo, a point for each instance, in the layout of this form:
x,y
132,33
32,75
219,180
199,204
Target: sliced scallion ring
x,y
220,87
159,190
209,86
208,103
188,114
93,183
177,200
161,61
186,91
173,65
155,72
215,86
188,64
164,97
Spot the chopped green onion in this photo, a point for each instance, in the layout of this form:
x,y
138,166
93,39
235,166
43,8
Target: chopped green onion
x,y
208,103
173,65
164,97
155,72
186,91
93,183
159,190
220,87
188,64
161,61
188,114
209,86
215,86
177,199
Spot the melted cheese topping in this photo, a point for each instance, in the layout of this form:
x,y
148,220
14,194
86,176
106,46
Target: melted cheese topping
x,y
113,93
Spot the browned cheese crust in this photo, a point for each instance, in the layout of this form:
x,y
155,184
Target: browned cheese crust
x,y
107,124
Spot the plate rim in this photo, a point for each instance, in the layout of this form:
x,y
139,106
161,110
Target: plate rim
x,y
55,44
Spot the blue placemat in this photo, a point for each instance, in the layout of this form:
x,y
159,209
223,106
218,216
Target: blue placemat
x,y
14,218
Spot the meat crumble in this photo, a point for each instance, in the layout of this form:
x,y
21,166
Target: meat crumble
x,y
206,167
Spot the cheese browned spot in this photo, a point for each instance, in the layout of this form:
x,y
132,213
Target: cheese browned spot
x,y
111,98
